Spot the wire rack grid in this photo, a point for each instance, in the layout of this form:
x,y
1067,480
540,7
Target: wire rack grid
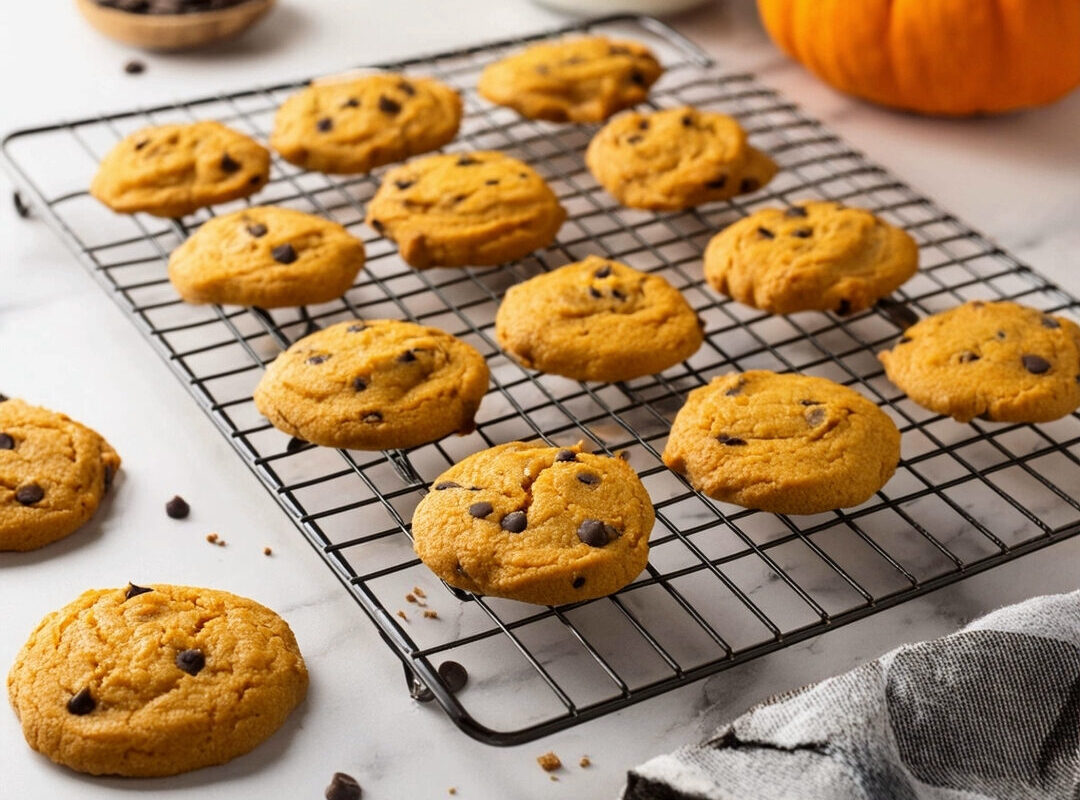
x,y
724,585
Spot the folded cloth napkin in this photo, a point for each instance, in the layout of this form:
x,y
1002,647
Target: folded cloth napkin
x,y
990,712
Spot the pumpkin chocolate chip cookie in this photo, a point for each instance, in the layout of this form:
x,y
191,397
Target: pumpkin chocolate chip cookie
x,y
155,680
539,524
172,170
597,320
998,361
465,209
790,444
53,474
815,256
354,125
674,159
374,385
267,257
572,80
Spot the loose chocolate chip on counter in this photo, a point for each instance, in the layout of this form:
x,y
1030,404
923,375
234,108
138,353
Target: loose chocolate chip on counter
x,y
374,416
343,787
514,522
844,308
454,675
795,211
30,494
765,233
6,442
749,185
388,106
352,102
566,455
191,661
229,164
81,703
603,272
406,357
177,508
1036,365
1050,322
325,124
407,87
481,510
443,485
403,185
258,230
803,233
295,443
730,441
135,67
359,384
135,591
467,161
815,417
588,478
318,359
578,583
717,183
284,254
967,357
595,533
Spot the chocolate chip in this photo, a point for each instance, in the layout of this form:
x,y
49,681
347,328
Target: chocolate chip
x,y
318,359
81,703
191,661
377,225
1036,365
352,102
142,144
491,182
406,357
229,164
803,233
637,77
687,121
903,340
717,183
617,294
407,87
30,494
595,533
578,583
514,522
734,391
619,50
634,139
643,125
795,211
294,444
446,485
110,472
1000,336
481,510
815,417
765,233
588,478
899,314
810,402
467,161
135,67
730,441
374,416
1050,322
343,787
388,106
325,124
603,272
595,293
4,398
284,254
844,308
454,675
6,442
258,230
255,180
359,384
542,69
177,508
403,185
749,185
356,327
135,591
967,357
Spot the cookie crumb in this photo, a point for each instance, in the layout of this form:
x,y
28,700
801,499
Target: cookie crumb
x,y
401,614
553,777
549,762
451,790
220,542
585,762
267,551
410,598
431,614
212,538
418,591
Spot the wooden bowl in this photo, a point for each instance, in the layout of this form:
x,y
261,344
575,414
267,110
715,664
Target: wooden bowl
x,y
173,31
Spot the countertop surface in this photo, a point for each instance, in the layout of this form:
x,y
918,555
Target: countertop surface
x,y
64,345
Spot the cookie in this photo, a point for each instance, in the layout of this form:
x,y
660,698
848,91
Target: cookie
x,y
374,385
267,257
477,209
172,170
790,444
572,80
539,524
597,320
997,361
53,474
356,124
815,256
674,159
155,680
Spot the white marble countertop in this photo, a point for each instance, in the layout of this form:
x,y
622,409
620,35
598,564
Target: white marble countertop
x,y
64,344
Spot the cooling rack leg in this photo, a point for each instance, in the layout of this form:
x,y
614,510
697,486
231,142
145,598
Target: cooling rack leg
x,y
21,208
417,690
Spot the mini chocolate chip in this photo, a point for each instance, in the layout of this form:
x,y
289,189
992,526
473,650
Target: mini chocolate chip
x,y
343,787
637,77
523,175
325,124
359,384
356,327
1050,322
619,50
294,444
603,272
142,144
815,417
795,211
258,230
844,308
643,125
110,472
730,441
810,402
467,161
566,455
407,87
717,183
388,106
406,357
134,68
491,182
374,416
617,294
318,359
481,510
6,442
734,391
191,661
1036,365
377,225
81,703
578,583
903,340
30,494
284,254
229,164
135,591
403,185
446,485
595,533
454,675
687,121
593,292
352,102
514,522
967,357
803,233
749,185
634,139
588,478
177,508
542,69
255,180
1000,335
765,233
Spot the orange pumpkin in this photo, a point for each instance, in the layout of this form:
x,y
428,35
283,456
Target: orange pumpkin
x,y
935,56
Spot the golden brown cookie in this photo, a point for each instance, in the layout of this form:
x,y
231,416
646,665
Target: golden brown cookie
x,y
155,680
267,257
998,361
815,256
476,209
356,124
53,474
374,385
172,170
790,444
572,80
539,524
674,159
597,320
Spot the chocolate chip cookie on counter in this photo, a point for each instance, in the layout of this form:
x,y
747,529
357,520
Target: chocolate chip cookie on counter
x,y
789,444
267,257
597,320
351,125
572,80
999,361
53,474
539,524
814,256
374,385
155,680
173,170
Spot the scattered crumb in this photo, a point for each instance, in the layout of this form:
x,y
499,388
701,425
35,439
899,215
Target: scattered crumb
x,y
585,762
267,551
553,777
430,614
410,598
212,538
418,591
451,790
549,762
220,543
401,614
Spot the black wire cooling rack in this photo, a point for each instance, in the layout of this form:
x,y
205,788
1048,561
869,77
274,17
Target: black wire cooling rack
x,y
724,584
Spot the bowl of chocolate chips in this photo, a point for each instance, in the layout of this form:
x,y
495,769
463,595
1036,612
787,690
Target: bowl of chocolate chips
x,y
172,24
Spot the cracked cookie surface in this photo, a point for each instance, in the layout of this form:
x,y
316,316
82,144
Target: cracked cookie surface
x,y
354,125
156,680
813,256
597,320
267,257
53,474
1000,361
465,209
674,159
173,170
374,385
572,80
790,444
534,523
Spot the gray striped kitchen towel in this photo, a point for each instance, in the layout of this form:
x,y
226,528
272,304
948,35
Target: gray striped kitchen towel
x,y
989,713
